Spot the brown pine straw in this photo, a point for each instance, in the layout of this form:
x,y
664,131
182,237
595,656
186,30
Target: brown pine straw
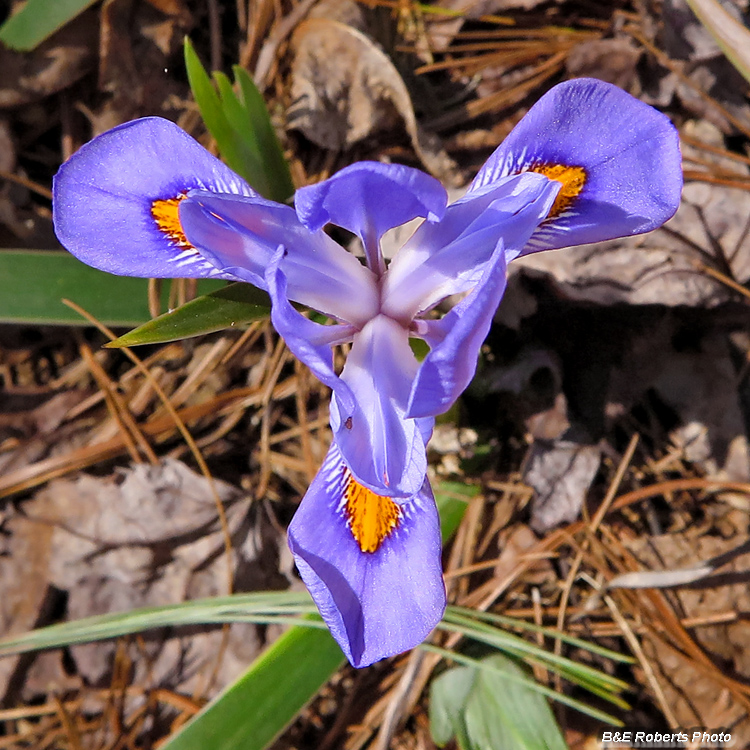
x,y
668,623
130,431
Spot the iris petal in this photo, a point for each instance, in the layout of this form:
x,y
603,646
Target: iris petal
x,y
384,450
455,339
368,199
309,341
379,603
448,257
629,152
109,196
240,235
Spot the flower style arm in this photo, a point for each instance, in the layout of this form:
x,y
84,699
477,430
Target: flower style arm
x,y
368,199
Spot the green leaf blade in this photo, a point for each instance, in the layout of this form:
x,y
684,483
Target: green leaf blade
x,y
231,307
256,709
38,20
33,284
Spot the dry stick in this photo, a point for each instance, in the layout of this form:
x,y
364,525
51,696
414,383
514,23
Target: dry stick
x,y
175,417
283,29
726,154
104,386
247,339
725,180
27,183
68,725
274,371
55,466
301,397
398,700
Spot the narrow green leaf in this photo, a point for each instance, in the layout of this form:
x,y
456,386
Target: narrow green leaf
x,y
528,681
514,645
277,167
255,709
236,129
552,633
38,20
231,307
236,113
233,150
262,607
33,283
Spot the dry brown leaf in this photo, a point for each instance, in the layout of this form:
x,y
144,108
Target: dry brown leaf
x,y
150,537
345,89
561,473
23,583
612,60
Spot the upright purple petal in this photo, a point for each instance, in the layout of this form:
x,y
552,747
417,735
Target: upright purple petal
x,y
448,257
369,198
617,158
115,201
240,235
384,450
371,565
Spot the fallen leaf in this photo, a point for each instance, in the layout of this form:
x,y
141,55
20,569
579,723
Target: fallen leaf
x,y
561,473
345,89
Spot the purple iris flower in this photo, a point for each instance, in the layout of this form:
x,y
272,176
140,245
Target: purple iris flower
x,y
587,163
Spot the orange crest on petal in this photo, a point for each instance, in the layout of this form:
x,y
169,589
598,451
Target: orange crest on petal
x,y
167,217
572,180
370,517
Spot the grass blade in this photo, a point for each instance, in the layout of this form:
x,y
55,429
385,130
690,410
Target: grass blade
x,y
255,709
231,307
37,20
33,283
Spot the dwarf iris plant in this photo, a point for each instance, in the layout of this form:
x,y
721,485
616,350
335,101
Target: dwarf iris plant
x,y
587,163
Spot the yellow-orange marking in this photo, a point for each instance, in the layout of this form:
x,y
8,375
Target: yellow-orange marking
x,y
371,517
572,180
167,217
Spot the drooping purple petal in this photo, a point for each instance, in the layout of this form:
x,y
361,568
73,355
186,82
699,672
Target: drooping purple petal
x,y
368,199
376,603
240,235
448,257
384,450
113,195
629,154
